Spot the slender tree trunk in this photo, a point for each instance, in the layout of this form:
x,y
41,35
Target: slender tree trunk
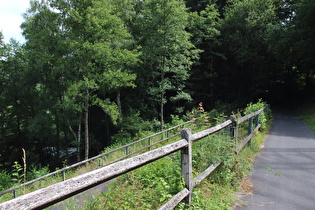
x,y
86,125
162,111
162,98
107,129
58,133
162,77
77,137
119,106
78,143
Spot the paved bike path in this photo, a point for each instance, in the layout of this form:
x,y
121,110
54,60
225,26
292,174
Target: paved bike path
x,y
283,177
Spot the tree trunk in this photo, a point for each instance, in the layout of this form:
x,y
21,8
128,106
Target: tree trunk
x,y
78,143
162,111
86,125
119,106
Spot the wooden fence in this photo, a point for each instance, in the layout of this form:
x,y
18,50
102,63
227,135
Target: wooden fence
x,y
55,193
165,136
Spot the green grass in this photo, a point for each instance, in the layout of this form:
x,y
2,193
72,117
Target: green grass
x,y
307,113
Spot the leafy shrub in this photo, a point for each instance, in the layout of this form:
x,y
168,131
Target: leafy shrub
x,y
5,180
263,116
133,127
35,172
17,173
145,188
211,149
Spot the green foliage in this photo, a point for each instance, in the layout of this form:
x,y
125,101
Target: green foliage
x,y
210,196
154,184
17,173
5,180
247,19
35,172
176,120
156,57
166,52
263,116
132,127
219,145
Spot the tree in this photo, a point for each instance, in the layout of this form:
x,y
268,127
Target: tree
x,y
204,29
244,30
167,53
83,52
16,103
290,40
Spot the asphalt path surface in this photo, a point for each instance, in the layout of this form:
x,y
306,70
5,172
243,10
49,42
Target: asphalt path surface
x,y
284,172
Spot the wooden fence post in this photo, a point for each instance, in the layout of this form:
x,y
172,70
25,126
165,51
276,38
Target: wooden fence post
x,y
127,150
250,125
149,143
186,163
257,120
250,128
233,129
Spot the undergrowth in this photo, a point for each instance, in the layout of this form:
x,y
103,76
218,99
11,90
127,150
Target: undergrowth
x,y
152,185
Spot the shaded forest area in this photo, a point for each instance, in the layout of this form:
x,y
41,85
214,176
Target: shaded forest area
x,y
94,72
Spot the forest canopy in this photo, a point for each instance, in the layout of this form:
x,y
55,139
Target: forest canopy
x,y
94,72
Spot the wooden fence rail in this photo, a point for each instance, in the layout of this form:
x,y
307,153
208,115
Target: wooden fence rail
x,y
55,193
125,147
186,133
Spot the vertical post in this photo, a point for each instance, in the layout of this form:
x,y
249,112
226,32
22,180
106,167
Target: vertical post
x,y
250,125
250,128
127,150
149,143
63,175
14,193
233,129
256,120
186,163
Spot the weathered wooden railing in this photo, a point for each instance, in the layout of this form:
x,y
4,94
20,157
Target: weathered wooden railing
x,y
191,182
52,194
126,147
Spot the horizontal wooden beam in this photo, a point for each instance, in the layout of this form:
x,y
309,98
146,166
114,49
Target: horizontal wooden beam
x,y
207,132
246,117
206,173
52,194
175,200
244,142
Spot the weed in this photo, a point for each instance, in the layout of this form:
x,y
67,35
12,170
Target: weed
x,y
276,173
17,175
